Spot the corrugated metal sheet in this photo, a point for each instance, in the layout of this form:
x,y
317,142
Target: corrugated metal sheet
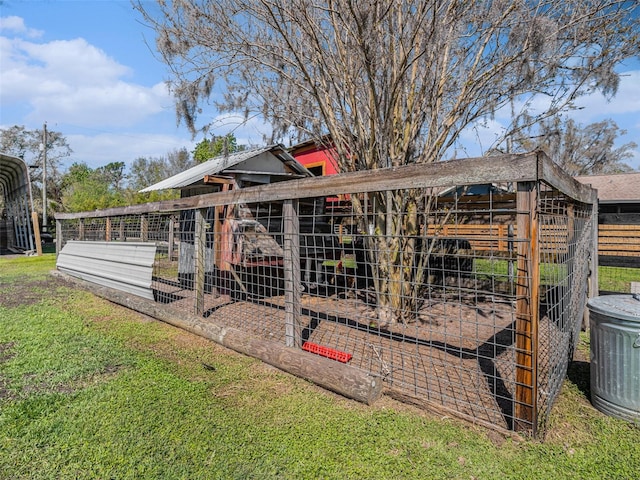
x,y
120,265
219,164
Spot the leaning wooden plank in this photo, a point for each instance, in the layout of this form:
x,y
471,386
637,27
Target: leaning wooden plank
x,y
343,379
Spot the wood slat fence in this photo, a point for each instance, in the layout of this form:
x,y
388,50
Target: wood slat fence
x,y
613,240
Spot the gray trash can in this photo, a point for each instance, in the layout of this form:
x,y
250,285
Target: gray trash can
x,y
614,322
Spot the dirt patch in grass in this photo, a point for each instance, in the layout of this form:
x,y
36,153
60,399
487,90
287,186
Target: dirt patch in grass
x,y
32,292
6,351
6,354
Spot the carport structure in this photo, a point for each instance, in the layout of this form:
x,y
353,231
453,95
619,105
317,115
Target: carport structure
x,y
19,222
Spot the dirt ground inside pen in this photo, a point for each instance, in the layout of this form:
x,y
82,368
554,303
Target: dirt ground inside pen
x,y
458,354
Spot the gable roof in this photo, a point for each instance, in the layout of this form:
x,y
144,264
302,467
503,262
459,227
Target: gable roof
x,y
219,164
616,188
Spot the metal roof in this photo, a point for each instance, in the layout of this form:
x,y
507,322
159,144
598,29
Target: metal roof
x,y
222,163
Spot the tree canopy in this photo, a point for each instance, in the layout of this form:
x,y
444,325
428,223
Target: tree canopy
x,y
394,81
85,189
216,146
147,171
579,149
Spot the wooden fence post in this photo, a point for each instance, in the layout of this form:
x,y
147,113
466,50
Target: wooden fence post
x,y
107,230
527,308
36,233
171,242
200,243
592,287
293,332
144,228
58,237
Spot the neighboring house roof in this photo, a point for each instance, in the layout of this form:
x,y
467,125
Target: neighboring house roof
x,y
259,160
616,188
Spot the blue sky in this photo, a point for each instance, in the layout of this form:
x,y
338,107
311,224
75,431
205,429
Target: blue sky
x,y
87,68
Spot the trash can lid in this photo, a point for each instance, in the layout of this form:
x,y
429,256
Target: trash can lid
x,y
624,307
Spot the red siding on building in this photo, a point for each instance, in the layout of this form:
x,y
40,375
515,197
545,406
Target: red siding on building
x,y
316,158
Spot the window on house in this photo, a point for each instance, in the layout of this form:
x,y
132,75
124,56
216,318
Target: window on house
x,y
318,170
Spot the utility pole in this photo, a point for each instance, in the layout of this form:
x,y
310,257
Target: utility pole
x,y
44,178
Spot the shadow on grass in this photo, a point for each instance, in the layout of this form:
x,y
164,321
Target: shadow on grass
x,y
579,374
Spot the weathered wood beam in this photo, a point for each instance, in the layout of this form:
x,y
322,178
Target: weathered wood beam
x,y
470,171
217,180
552,174
335,376
617,261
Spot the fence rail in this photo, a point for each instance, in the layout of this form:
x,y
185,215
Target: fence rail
x,y
379,284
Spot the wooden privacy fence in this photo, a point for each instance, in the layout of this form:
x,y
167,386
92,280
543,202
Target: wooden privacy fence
x,y
619,240
262,270
613,240
499,238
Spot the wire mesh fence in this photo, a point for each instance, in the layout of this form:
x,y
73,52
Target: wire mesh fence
x,y
468,297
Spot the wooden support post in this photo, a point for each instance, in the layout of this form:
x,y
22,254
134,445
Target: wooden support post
x,y
527,309
58,237
144,228
593,289
107,230
81,229
217,232
121,230
171,240
200,243
36,233
292,286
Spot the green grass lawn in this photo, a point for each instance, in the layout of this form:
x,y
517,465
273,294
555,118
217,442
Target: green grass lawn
x,y
617,279
610,279
94,391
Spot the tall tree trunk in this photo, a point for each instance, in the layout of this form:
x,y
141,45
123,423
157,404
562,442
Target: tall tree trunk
x,y
396,253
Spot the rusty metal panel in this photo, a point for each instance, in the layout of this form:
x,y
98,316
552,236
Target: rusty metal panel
x,y
120,265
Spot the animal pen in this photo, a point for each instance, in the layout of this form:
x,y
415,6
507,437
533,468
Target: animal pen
x,y
497,307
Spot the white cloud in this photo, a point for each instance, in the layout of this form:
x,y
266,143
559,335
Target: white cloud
x,y
118,104
627,100
16,25
479,138
624,109
73,82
